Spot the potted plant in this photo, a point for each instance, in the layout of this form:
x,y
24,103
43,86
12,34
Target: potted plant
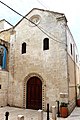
x,y
64,109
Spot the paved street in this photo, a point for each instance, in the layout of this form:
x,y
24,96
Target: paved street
x,y
32,114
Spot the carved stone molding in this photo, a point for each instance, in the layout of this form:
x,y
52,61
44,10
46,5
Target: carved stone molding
x,y
24,89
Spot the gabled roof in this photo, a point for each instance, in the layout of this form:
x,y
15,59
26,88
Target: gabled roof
x,y
39,10
6,21
6,30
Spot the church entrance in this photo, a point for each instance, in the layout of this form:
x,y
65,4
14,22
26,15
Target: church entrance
x,y
34,93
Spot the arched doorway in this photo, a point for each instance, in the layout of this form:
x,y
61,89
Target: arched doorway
x,y
34,93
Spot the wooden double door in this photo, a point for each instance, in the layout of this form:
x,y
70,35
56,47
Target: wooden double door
x,y
34,93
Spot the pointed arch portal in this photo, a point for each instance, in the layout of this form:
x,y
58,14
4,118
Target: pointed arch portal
x,y
34,93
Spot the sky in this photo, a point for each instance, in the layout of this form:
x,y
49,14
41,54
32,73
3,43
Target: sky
x,y
70,8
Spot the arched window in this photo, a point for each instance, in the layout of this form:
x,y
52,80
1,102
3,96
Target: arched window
x,y
3,53
46,44
23,48
71,47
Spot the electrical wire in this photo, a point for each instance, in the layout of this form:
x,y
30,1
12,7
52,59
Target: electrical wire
x,y
49,14
39,27
41,3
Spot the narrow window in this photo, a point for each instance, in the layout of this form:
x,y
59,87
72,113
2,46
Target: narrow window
x,y
76,58
23,48
71,48
0,86
46,44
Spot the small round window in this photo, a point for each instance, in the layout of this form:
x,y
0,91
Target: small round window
x,y
35,19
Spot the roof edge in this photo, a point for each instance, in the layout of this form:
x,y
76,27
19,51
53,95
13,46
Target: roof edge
x,y
7,22
37,9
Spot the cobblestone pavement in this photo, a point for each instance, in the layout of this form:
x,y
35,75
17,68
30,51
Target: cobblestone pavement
x,y
33,114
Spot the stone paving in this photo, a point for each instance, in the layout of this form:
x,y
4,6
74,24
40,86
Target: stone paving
x,y
14,112
33,114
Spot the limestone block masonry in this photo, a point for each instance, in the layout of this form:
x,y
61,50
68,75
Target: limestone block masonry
x,y
48,65
35,75
3,88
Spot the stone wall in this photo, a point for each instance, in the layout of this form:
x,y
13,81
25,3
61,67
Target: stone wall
x,y
50,64
73,69
55,67
3,88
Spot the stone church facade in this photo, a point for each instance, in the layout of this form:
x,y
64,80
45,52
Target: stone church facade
x,y
40,62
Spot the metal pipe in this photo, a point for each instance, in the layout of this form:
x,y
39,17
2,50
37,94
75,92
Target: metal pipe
x,y
58,112
48,111
6,114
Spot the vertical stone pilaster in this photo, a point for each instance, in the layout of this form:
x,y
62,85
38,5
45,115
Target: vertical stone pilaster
x,y
53,112
40,115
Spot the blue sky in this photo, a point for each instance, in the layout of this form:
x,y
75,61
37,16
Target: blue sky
x,y
70,8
